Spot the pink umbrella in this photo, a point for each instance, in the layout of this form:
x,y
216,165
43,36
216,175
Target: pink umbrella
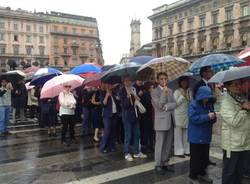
x,y
245,55
31,70
54,86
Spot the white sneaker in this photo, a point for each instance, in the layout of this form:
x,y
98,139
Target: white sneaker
x,y
129,158
140,155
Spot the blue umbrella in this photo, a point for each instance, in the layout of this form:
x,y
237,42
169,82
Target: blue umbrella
x,y
218,62
85,68
141,59
43,71
42,79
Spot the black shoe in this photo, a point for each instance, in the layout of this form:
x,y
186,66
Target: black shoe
x,y
65,143
49,135
159,170
74,141
167,168
54,135
211,163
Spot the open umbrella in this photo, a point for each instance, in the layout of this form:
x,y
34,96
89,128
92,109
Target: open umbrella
x,y
14,76
42,79
28,86
53,87
231,74
173,66
121,70
245,55
141,59
86,68
218,62
107,67
31,70
43,71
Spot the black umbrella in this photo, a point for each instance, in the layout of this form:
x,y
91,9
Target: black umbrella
x,y
13,76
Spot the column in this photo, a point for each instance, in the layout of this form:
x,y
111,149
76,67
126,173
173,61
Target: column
x,y
175,47
185,45
221,39
208,46
196,43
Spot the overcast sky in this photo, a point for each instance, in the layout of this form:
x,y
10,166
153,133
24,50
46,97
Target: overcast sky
x,y
113,18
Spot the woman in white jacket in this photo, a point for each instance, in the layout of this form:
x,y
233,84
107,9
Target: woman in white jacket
x,y
183,97
67,111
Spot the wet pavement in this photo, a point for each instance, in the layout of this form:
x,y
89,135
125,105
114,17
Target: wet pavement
x,y
31,157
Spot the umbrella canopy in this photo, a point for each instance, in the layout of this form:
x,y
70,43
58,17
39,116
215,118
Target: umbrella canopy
x,y
42,79
193,79
173,66
141,59
121,70
53,87
86,68
218,62
245,55
231,74
107,67
43,71
94,81
14,76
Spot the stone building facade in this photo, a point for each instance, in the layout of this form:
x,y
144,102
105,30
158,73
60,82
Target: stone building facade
x,y
74,40
194,28
24,37
50,39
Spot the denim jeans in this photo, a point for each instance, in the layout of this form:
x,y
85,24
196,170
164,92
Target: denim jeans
x,y
130,127
4,118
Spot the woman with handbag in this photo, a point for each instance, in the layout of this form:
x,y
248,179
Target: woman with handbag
x,y
128,99
183,97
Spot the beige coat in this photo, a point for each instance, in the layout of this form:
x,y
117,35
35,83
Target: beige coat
x,y
181,111
32,100
236,126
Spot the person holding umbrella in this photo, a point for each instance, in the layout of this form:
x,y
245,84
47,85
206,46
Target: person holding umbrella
x,y
5,104
67,111
235,111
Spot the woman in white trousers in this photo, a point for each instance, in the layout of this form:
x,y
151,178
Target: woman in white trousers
x,y
183,97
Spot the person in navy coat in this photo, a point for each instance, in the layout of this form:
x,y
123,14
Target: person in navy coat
x,y
110,116
201,119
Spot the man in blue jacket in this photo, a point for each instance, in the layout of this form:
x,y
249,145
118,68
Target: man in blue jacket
x,y
201,119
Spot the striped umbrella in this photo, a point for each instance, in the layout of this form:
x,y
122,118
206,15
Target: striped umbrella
x,y
245,55
43,71
173,66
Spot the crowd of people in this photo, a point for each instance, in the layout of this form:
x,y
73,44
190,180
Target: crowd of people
x,y
146,117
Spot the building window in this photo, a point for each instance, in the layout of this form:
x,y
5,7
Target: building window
x,y
65,30
180,27
245,10
91,60
41,29
55,39
170,30
41,51
215,18
15,27
91,32
74,30
56,61
55,28
74,41
41,39
2,50
16,49
55,50
65,50
84,51
2,25
74,51
28,50
202,22
83,60
28,39
83,41
2,37
190,24
91,52
28,28
83,31
15,38
229,14
65,41
65,62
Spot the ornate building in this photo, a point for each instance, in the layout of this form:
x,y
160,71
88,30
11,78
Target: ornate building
x,y
24,37
194,28
55,39
74,40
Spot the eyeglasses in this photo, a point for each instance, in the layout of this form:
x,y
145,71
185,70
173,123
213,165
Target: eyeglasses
x,y
67,86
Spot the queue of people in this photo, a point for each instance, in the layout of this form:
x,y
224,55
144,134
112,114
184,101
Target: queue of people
x,y
147,117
